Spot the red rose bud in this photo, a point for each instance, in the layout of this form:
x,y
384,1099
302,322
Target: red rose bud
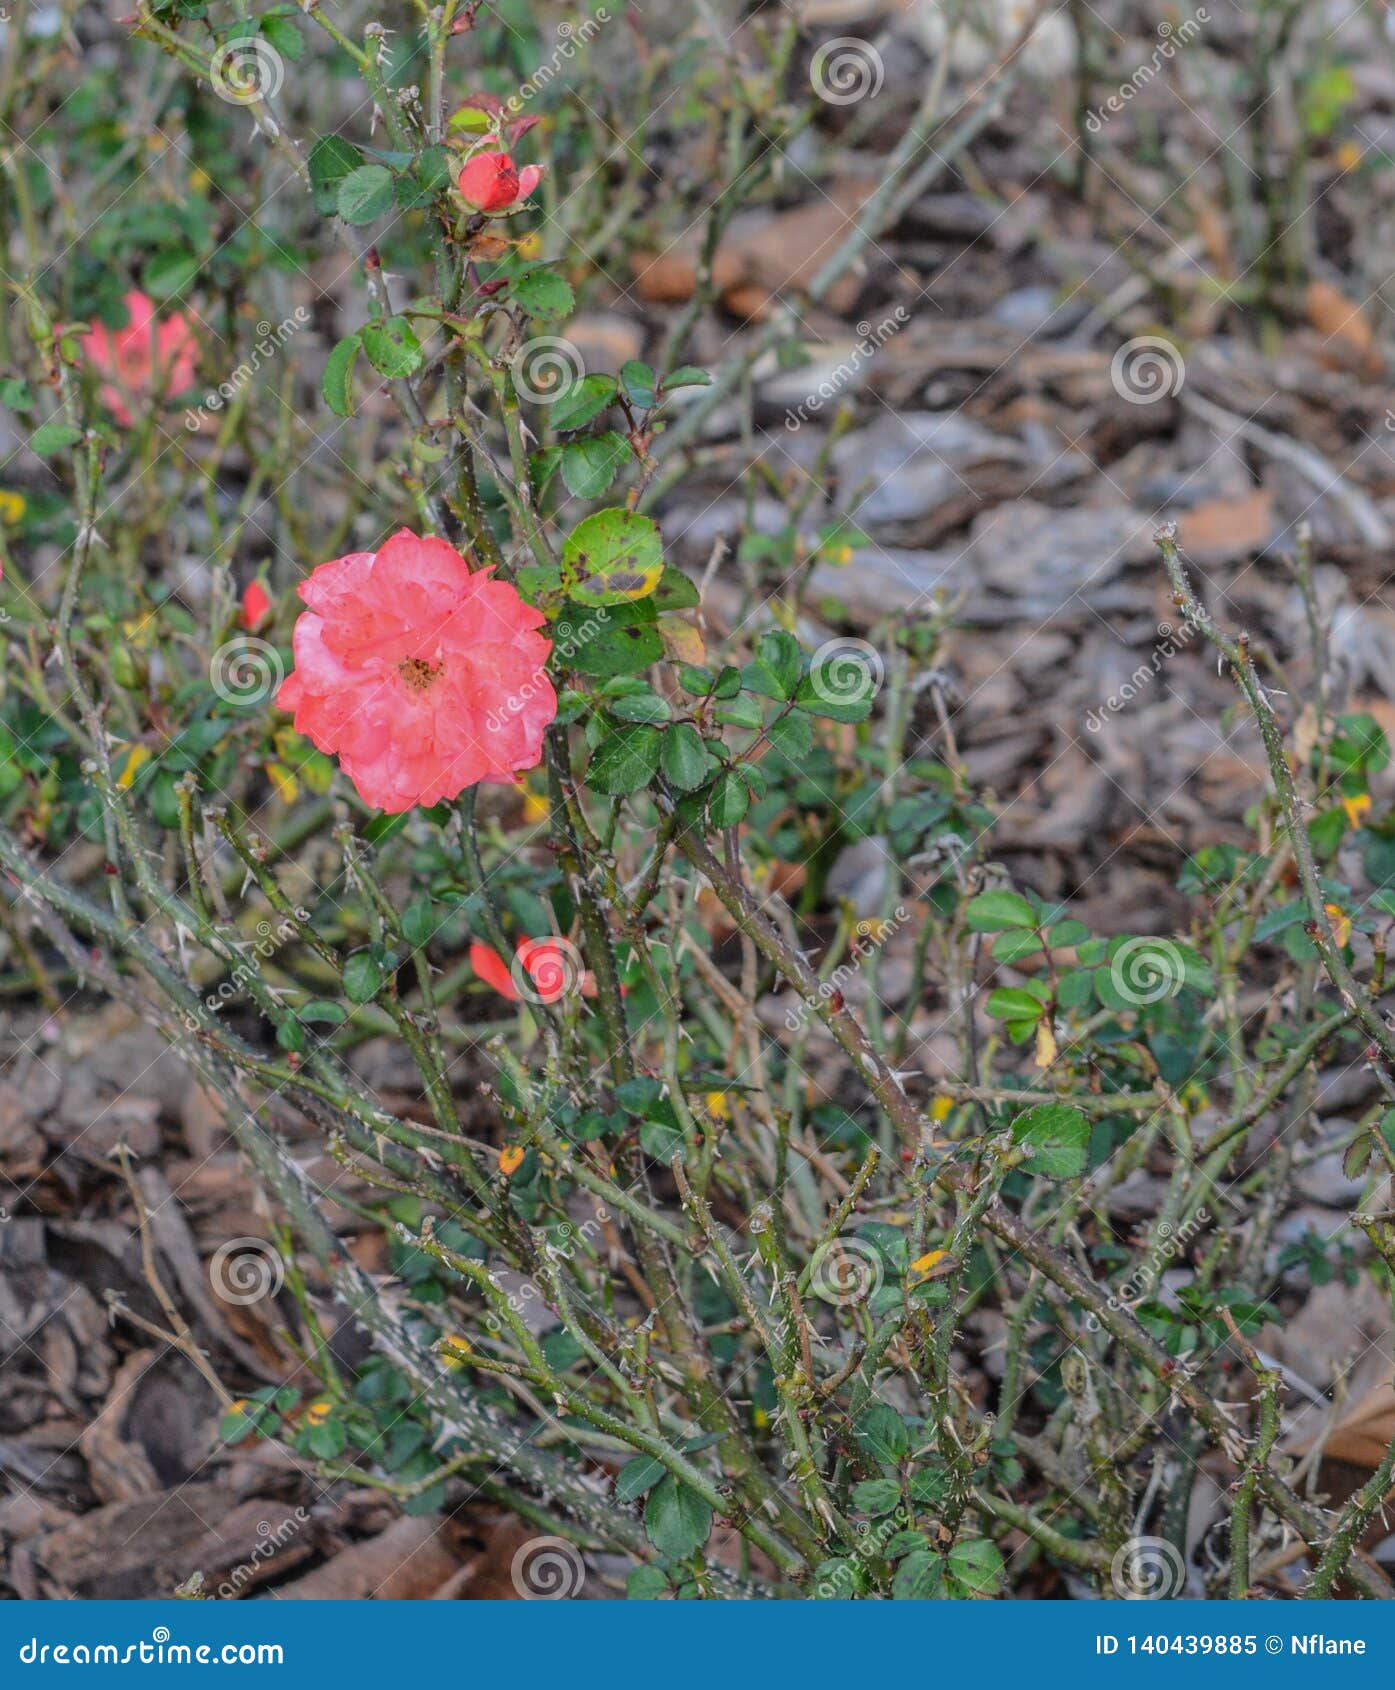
x,y
490,182
256,606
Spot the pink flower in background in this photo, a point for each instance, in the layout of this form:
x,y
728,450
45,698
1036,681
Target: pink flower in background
x,y
492,182
551,964
256,606
146,358
419,675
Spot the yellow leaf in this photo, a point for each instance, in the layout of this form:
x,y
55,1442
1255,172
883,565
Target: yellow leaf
x,y
12,506
682,641
1340,922
510,1159
319,1412
941,1108
136,760
717,1106
454,1350
1357,807
925,1265
1046,1045
287,786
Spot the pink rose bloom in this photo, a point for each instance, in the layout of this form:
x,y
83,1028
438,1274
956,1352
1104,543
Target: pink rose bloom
x,y
144,359
492,182
548,963
421,676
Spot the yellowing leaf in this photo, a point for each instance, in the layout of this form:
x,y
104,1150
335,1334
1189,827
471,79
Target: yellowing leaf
x,y
612,557
510,1159
1046,1044
1357,807
286,785
1340,922
136,759
682,641
924,1266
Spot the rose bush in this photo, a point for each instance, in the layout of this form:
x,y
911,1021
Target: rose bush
x,y
688,1220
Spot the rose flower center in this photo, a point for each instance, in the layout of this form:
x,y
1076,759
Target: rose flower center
x,y
418,673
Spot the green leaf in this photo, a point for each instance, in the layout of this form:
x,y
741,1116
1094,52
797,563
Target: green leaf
x,y
331,160
542,293
280,30
676,591
919,1577
321,1010
612,557
392,347
687,376
169,273
335,384
662,1140
646,1584
1015,1003
419,923
792,736
363,977
876,1496
364,194
582,401
1015,944
639,1095
677,1519
685,759
638,1476
730,800
625,643
1059,1137
625,761
639,383
52,437
645,706
882,1432
996,912
775,672
589,466
976,1565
